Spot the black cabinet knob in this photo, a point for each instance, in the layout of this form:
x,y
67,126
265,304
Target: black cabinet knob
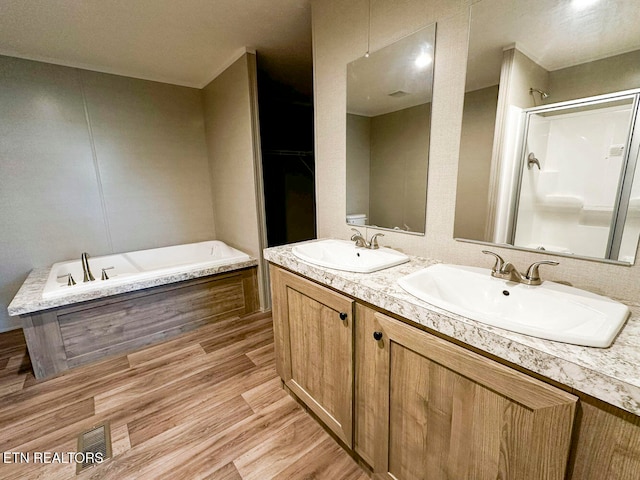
x,y
377,335
343,316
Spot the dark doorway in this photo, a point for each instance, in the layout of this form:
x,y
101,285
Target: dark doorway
x,y
288,166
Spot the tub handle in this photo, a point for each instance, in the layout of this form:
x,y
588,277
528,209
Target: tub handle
x,y
70,281
104,275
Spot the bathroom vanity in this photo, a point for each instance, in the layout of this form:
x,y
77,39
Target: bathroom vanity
x,y
413,391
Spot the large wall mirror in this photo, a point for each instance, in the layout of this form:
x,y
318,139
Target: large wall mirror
x,y
388,124
550,135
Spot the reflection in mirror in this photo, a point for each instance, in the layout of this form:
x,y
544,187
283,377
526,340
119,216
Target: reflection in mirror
x,y
388,120
549,142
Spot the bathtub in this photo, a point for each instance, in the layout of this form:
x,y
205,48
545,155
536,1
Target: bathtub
x,y
150,296
131,267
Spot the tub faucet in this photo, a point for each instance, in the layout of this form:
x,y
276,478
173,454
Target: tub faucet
x,y
88,276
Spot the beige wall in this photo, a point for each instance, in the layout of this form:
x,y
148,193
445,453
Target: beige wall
x,y
339,37
387,156
478,123
152,160
399,160
358,163
95,162
524,75
230,114
613,74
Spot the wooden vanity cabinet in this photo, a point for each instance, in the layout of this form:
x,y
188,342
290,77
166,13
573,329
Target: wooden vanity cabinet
x,y
429,409
313,329
414,406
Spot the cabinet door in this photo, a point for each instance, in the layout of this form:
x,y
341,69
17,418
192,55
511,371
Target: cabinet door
x,y
315,326
607,443
448,413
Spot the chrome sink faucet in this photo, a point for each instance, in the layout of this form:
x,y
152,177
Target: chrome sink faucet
x,y
88,276
361,242
508,271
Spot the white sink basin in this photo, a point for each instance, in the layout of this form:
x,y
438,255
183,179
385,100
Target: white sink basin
x,y
343,255
551,310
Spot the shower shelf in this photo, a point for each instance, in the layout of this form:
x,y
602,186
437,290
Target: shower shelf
x,y
565,203
596,215
597,209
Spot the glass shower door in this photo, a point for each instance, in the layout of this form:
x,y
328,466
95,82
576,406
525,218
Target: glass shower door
x,y
574,163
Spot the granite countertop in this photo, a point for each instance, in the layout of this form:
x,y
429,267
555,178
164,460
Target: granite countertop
x,y
609,374
29,297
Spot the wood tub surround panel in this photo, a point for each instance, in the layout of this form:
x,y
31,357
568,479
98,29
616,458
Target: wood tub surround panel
x,y
44,339
93,332
67,337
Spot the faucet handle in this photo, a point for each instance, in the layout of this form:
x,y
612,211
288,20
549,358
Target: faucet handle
x,y
373,243
497,267
70,280
104,275
359,239
357,234
532,275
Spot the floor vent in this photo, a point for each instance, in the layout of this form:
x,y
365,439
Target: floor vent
x,y
94,445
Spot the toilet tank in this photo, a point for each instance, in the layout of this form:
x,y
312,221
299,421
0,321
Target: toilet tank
x,y
357,219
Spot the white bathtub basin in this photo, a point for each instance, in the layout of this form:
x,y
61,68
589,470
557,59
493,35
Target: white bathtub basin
x,y
551,310
139,265
344,255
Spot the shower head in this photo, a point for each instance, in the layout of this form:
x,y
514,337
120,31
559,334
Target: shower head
x,y
542,93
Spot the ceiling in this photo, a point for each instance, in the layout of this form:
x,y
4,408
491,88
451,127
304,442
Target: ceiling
x,y
554,33
182,42
392,78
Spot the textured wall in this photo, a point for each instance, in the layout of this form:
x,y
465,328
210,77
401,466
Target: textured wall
x,y
478,125
358,163
229,113
613,74
525,74
399,160
339,37
95,162
152,157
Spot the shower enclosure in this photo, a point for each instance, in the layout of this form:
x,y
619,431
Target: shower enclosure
x,y
572,189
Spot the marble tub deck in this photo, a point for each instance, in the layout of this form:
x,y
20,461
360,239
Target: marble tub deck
x,y
29,297
609,374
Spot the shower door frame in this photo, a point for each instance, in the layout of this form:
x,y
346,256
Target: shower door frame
x,y
627,171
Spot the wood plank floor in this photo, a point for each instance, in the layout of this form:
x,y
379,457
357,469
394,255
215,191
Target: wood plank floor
x,y
206,405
